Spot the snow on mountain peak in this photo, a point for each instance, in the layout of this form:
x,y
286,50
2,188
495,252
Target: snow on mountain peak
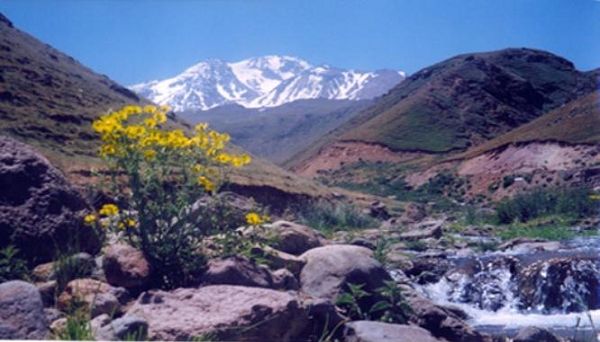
x,y
265,81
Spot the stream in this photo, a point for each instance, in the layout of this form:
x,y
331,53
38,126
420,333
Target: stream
x,y
546,284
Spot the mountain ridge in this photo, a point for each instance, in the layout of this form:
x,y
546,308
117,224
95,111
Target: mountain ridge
x,y
267,81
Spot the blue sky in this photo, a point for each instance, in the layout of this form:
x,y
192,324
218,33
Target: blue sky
x,y
133,41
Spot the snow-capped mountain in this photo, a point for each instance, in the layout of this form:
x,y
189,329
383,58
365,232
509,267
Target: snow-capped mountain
x,y
264,82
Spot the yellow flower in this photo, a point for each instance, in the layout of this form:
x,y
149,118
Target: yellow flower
x,y
109,210
224,158
149,154
121,225
206,183
89,219
130,223
135,132
255,219
108,150
150,122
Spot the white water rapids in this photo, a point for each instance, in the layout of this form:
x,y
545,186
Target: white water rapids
x,y
491,294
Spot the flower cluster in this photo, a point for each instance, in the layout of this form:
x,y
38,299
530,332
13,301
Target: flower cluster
x,y
109,216
134,133
255,219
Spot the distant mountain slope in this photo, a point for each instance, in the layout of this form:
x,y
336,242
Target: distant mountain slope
x,y
267,81
577,122
469,99
48,98
278,133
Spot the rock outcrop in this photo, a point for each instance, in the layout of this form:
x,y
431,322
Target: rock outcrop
x,y
40,211
222,312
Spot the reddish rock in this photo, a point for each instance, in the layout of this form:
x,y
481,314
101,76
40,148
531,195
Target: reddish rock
x,y
125,266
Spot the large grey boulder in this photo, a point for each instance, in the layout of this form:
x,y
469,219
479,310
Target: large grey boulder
x,y
329,269
369,331
40,211
222,312
125,266
294,238
22,314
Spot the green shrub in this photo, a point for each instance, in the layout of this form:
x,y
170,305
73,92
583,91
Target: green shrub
x,y
328,216
77,328
159,174
390,307
540,202
12,267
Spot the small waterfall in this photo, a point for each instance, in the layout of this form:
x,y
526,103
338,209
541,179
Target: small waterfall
x,y
506,290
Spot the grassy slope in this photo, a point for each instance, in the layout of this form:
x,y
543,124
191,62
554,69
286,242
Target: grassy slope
x,y
471,98
578,122
49,100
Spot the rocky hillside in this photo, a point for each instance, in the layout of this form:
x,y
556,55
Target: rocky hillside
x,y
462,102
48,98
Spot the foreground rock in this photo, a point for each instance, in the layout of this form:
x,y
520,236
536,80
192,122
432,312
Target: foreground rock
x,y
222,312
100,298
22,314
369,331
39,209
534,334
329,269
295,238
125,266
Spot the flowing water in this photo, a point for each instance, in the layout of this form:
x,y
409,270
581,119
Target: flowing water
x,y
558,289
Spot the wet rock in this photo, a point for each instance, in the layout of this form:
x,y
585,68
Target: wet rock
x,y
528,245
126,266
441,322
223,312
369,331
294,238
424,230
21,312
568,284
329,269
100,298
427,269
39,209
535,334
485,283
237,271
128,326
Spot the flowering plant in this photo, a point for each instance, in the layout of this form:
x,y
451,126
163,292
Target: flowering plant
x,y
159,174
